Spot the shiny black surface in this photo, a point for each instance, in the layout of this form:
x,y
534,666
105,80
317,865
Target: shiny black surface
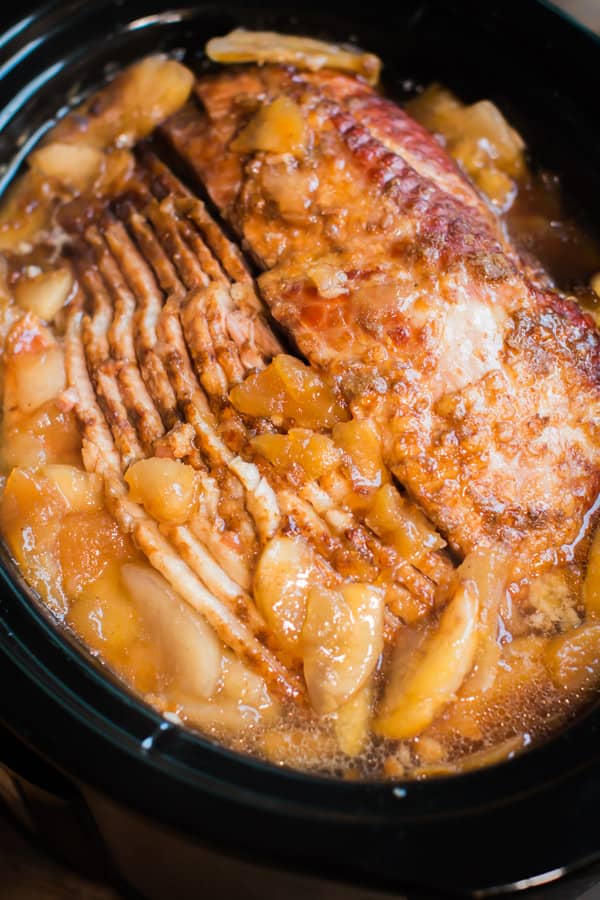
x,y
534,815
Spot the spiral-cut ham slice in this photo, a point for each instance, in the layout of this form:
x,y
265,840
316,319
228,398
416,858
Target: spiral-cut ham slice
x,y
166,322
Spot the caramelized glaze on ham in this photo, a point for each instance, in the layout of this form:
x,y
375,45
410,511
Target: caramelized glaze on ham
x,y
398,283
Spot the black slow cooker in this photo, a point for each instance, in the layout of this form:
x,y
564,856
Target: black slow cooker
x,y
100,776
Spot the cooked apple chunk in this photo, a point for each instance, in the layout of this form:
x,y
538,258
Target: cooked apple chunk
x,y
315,453
342,639
283,577
167,488
277,127
435,671
46,293
127,109
241,46
288,390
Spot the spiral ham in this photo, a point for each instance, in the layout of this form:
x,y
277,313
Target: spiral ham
x,y
295,355
399,285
